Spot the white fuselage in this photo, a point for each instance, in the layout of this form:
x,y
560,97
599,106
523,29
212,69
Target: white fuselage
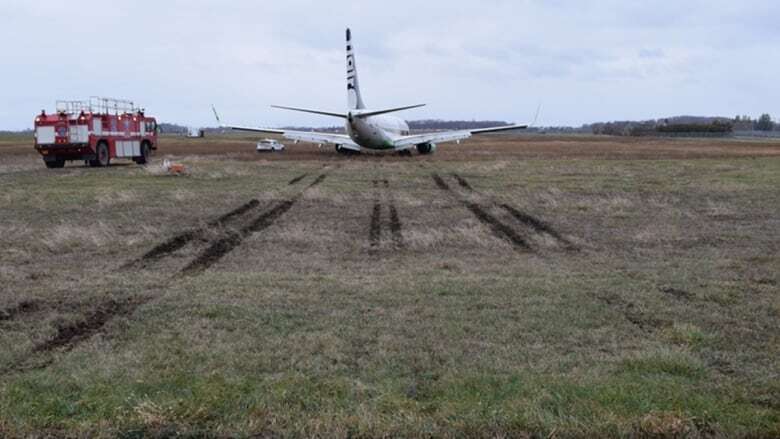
x,y
376,132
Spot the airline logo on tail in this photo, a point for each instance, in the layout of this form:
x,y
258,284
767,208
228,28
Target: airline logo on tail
x,y
354,99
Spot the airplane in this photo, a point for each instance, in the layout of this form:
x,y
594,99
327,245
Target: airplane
x,y
369,129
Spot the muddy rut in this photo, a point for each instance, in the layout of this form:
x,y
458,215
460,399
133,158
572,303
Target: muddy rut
x,y
223,246
93,321
527,223
181,240
70,335
499,229
383,197
24,307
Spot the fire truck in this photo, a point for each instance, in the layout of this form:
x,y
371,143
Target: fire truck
x,y
95,131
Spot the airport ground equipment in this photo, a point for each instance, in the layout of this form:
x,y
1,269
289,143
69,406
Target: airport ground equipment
x,y
269,145
96,131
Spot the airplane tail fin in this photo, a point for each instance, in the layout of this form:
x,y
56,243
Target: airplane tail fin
x,y
354,99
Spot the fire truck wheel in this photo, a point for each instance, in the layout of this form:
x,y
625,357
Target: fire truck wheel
x,y
55,164
103,159
145,153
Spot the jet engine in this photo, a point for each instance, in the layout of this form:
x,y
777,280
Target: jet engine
x,y
426,148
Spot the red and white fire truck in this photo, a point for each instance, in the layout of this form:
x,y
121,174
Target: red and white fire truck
x,y
95,131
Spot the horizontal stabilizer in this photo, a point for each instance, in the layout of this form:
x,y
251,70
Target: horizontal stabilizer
x,y
391,110
304,110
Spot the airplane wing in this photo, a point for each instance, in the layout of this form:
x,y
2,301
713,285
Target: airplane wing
x,y
304,136
298,136
448,136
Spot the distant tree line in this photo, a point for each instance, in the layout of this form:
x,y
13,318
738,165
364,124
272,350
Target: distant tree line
x,y
763,123
716,127
683,125
172,128
436,124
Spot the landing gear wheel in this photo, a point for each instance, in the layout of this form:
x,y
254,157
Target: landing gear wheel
x,y
55,164
145,153
346,151
103,159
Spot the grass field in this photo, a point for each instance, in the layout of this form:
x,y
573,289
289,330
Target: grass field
x,y
532,286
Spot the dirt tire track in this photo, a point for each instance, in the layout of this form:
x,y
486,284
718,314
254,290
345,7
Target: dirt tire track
x,y
69,336
498,228
375,228
395,221
22,308
462,182
297,179
539,226
677,293
642,321
441,183
244,208
317,181
396,227
536,224
216,251
220,248
170,246
181,240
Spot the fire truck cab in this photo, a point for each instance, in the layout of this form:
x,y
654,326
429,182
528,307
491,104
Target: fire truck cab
x,y
96,132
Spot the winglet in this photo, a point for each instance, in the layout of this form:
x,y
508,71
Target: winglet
x,y
214,109
536,117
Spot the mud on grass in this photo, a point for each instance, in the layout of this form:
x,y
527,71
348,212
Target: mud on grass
x,y
69,335
499,228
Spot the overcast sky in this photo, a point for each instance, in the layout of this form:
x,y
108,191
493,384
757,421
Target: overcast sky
x,y
583,60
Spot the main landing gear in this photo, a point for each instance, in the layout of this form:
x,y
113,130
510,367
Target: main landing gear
x,y
346,151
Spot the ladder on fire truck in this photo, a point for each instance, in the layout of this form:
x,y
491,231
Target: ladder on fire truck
x,y
103,105
98,105
95,105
